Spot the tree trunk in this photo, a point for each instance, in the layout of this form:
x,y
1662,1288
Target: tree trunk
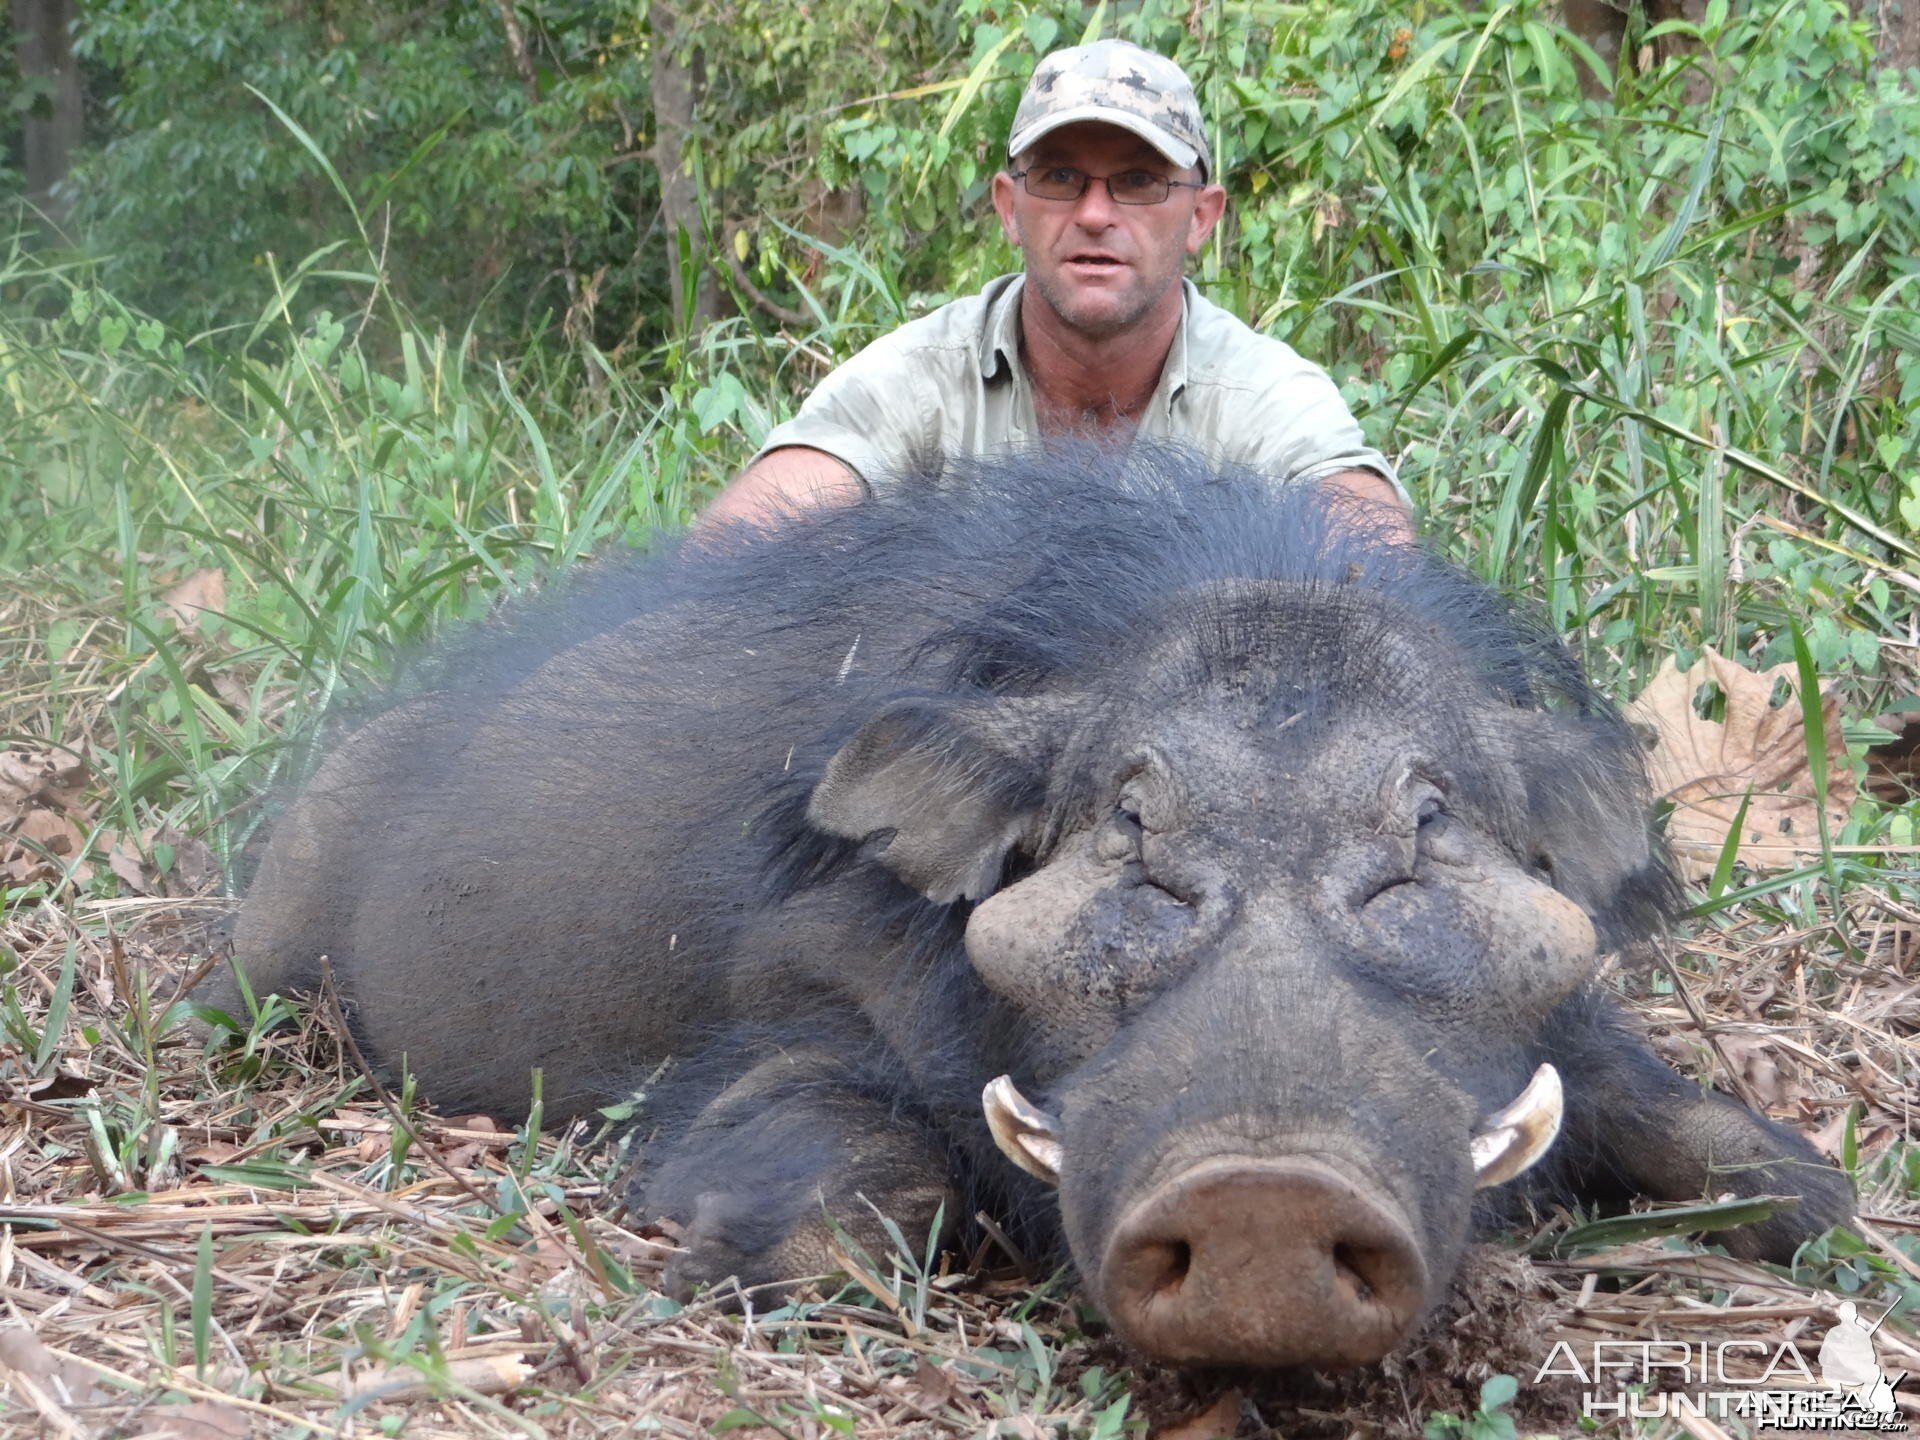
x,y
44,45
1896,30
1610,25
1603,26
675,93
517,48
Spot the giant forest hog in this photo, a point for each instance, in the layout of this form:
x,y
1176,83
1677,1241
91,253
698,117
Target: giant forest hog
x,y
1144,855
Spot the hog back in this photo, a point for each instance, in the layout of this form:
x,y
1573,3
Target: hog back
x,y
547,847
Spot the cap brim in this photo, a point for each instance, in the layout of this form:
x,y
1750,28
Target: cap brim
x,y
1176,150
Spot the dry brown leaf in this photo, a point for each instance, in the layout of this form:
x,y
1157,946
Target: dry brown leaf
x,y
935,1385
52,832
201,591
461,1157
543,1260
1706,767
125,862
33,779
194,870
41,805
232,692
27,1362
370,1149
1868,1134
1217,1422
1753,1057
210,1152
55,835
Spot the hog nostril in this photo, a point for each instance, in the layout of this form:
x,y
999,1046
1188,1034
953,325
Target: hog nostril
x,y
1176,1266
1351,1265
1346,1266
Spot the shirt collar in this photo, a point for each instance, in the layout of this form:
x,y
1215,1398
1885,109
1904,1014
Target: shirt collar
x,y
1000,343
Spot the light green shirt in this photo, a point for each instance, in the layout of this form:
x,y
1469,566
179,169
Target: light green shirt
x,y
951,383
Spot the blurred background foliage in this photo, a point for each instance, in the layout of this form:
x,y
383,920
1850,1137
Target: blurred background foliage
x,y
379,309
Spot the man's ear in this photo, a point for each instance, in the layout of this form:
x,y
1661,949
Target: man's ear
x,y
1208,206
940,791
1588,823
1003,187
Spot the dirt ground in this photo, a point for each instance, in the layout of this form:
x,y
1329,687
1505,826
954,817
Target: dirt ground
x,y
269,1243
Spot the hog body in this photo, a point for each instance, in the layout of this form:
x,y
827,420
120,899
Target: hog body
x,y
1266,859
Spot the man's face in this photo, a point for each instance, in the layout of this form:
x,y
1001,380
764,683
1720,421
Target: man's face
x,y
1101,266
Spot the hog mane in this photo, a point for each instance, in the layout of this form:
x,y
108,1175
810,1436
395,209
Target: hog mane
x,y
759,654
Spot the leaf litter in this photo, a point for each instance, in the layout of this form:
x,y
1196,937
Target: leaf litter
x,y
187,604
44,819
375,1266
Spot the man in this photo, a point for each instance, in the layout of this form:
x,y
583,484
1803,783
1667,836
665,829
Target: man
x,y
1106,195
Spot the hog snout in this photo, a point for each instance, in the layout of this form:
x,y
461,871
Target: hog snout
x,y
1268,1262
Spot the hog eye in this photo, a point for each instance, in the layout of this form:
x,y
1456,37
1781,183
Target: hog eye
x,y
1394,867
1162,890
1439,835
1128,828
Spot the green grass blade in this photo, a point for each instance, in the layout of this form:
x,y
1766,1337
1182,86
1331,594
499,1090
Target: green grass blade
x,y
57,1006
307,143
201,1312
1729,849
1813,717
1654,1224
1683,218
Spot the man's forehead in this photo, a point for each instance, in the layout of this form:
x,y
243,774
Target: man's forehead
x,y
1092,137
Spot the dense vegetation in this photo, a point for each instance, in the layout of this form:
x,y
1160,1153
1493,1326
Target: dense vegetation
x,y
357,314
381,311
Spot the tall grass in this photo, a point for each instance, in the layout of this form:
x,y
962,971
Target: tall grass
x,y
1624,372
351,494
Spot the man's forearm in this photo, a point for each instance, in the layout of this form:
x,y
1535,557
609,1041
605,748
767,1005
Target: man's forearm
x,y
785,482
1375,503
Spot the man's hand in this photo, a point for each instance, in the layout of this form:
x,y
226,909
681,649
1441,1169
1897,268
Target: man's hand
x,y
790,479
1374,503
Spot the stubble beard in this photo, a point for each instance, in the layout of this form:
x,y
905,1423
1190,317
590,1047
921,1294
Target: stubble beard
x,y
1059,300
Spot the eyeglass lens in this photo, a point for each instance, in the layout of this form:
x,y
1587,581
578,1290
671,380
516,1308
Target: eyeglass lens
x,y
1129,187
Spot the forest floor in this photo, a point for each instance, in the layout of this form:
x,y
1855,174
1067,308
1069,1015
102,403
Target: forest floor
x,y
268,1241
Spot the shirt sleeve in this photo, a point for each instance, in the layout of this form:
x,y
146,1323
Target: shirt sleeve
x,y
867,414
1299,428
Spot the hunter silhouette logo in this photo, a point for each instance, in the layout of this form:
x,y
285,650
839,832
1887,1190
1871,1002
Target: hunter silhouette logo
x,y
1770,1381
1849,1364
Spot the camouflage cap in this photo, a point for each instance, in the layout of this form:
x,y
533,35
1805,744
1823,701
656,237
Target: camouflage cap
x,y
1115,83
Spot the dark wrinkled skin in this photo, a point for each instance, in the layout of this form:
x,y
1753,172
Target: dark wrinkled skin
x,y
1268,860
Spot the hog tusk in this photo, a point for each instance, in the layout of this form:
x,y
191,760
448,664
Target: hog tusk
x,y
1513,1138
1025,1133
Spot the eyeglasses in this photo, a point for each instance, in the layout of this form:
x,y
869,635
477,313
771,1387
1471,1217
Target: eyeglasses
x,y
1129,187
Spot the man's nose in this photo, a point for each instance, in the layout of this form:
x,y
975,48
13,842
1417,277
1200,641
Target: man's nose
x,y
1095,207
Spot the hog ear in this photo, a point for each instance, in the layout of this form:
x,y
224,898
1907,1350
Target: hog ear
x,y
1589,823
940,791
